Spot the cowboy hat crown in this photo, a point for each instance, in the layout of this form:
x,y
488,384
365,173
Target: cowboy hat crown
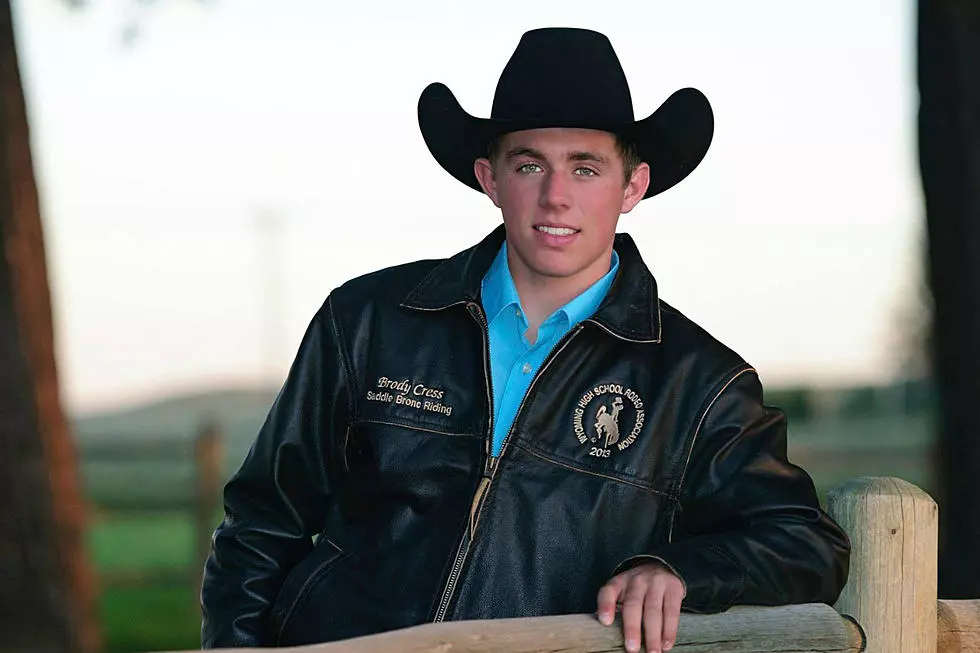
x,y
566,77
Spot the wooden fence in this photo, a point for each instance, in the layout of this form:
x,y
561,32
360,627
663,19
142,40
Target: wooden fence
x,y
147,476
888,606
197,494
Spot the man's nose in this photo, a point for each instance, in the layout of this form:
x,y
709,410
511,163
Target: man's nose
x,y
554,191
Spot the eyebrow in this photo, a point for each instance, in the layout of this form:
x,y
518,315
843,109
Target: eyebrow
x,y
535,154
587,156
523,151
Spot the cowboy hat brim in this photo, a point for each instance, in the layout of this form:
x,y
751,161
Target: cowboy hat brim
x,y
672,140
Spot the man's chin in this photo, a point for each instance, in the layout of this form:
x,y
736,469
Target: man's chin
x,y
554,264
552,270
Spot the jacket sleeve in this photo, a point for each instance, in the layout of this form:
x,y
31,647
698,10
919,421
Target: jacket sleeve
x,y
748,527
275,503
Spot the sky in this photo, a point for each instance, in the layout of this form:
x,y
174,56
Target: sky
x,y
205,187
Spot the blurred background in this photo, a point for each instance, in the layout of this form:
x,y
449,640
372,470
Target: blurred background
x,y
206,172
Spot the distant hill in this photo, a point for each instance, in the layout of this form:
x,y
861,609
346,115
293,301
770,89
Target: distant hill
x,y
239,413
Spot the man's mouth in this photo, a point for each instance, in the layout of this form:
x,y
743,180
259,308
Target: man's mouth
x,y
556,231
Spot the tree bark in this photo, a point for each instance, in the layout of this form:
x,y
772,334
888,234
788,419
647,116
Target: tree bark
x,y
949,151
46,586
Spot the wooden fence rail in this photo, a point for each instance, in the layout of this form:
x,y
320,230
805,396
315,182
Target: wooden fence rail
x,y
197,495
811,628
959,626
891,593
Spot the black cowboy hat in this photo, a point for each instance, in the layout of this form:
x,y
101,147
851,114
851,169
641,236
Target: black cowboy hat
x,y
563,77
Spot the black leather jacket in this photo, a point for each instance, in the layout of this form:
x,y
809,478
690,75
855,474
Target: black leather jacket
x,y
369,501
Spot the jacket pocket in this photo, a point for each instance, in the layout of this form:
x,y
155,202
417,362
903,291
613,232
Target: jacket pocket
x,y
302,579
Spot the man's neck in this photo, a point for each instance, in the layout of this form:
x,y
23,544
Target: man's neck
x,y
541,295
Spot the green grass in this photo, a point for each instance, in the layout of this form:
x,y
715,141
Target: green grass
x,y
147,542
149,601
161,617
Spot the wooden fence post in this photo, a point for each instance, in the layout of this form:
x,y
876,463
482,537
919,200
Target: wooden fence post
x,y
891,590
208,470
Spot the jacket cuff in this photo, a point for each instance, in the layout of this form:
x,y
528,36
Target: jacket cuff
x,y
643,558
713,579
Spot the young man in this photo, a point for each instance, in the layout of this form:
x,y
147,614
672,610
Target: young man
x,y
524,428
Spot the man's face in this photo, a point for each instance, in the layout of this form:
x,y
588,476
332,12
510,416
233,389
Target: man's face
x,y
561,192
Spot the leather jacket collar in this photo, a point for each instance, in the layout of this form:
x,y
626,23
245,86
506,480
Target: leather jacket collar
x,y
631,310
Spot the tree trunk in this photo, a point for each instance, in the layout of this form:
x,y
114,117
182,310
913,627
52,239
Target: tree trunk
x,y
46,586
949,150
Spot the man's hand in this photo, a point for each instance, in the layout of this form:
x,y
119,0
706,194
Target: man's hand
x,y
651,597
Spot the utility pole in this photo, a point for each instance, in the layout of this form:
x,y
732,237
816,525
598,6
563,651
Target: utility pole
x,y
271,293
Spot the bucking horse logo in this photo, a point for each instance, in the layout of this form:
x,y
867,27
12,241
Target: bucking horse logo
x,y
607,422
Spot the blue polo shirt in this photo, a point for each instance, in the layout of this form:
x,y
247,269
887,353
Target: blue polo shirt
x,y
513,360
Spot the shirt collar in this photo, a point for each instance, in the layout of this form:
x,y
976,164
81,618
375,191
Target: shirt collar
x,y
499,291
630,311
588,302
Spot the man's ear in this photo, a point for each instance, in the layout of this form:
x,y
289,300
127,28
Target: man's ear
x,y
636,188
483,170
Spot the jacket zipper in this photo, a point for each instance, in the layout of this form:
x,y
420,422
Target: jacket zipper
x,y
464,542
490,462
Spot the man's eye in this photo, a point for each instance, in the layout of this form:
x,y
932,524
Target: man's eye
x,y
586,172
529,167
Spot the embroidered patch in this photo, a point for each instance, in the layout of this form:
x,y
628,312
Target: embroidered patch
x,y
406,392
605,422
